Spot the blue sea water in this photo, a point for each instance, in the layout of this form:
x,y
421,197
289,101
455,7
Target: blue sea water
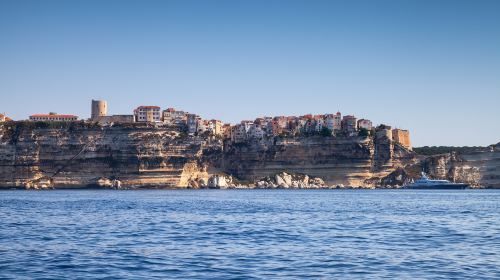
x,y
250,234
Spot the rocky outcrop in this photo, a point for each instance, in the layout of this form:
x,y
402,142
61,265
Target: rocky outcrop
x,y
284,180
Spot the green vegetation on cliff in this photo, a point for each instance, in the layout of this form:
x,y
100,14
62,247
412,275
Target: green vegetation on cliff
x,y
437,150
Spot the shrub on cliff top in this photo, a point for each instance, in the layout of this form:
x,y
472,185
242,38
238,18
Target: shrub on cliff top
x,y
436,150
326,132
363,132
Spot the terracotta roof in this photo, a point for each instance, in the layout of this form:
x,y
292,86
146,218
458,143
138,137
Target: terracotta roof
x,y
6,118
148,107
170,110
53,116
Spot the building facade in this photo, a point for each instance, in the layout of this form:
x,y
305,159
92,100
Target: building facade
x,y
238,133
364,123
215,127
192,123
337,121
171,116
147,114
255,131
349,123
52,117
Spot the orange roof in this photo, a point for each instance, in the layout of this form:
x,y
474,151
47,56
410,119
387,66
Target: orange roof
x,y
148,107
170,110
4,116
52,116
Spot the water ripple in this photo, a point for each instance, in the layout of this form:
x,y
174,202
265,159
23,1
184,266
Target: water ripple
x,y
258,234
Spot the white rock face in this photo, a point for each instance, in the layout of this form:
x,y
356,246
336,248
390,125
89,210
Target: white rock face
x,y
318,181
117,184
287,178
218,181
104,182
279,180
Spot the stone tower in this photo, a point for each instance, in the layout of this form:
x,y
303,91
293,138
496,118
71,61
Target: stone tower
x,y
99,109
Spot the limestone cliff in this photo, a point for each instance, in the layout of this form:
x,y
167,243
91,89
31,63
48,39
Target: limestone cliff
x,y
360,161
487,161
79,155
74,155
480,167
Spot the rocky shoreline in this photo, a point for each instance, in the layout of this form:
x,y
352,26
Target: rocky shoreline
x,y
282,180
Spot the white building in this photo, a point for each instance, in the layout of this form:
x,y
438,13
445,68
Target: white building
x,y
192,123
215,127
246,125
238,133
174,117
319,124
330,122
147,114
364,123
337,121
255,131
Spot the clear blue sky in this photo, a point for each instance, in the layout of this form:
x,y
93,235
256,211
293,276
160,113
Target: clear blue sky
x,y
429,66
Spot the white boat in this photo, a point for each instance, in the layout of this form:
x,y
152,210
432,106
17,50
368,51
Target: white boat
x,y
425,183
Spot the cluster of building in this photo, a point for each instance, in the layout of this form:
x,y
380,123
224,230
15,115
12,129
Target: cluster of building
x,y
258,129
331,124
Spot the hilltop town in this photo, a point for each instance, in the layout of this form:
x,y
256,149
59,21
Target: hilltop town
x,y
155,148
246,131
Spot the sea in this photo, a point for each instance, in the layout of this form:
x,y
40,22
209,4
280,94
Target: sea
x,y
250,234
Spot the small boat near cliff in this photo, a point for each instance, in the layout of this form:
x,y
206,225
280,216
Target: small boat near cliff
x,y
425,183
